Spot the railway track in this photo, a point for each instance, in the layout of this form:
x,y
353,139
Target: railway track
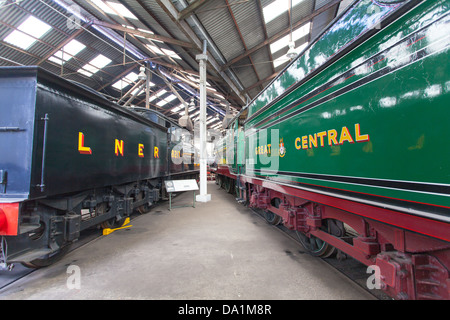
x,y
8,277
352,269
346,265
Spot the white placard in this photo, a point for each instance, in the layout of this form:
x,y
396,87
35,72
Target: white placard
x,y
181,185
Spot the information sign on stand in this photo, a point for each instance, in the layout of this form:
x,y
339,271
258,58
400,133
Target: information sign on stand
x,y
174,186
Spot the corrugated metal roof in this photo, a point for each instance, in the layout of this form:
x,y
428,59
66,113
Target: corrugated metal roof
x,y
245,72
220,26
302,10
161,20
249,21
322,20
237,34
263,63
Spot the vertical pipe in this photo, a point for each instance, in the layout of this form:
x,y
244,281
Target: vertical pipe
x,y
124,47
44,147
147,88
203,196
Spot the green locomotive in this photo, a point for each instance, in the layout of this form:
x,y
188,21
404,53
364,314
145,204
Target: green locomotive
x,y
351,136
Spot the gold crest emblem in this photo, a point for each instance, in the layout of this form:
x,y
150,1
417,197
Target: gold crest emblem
x,y
282,150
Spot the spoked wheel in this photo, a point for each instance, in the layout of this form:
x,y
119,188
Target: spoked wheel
x,y
113,223
145,208
228,185
316,246
272,218
48,260
101,209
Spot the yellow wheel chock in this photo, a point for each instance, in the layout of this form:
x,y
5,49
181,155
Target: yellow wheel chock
x,y
125,225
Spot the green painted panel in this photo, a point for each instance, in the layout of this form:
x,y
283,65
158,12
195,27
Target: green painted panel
x,y
374,122
352,24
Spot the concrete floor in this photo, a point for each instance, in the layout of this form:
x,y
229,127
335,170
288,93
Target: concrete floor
x,y
219,250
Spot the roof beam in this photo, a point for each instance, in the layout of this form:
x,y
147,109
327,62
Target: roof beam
x,y
172,12
142,34
261,14
62,44
175,92
186,12
53,48
281,34
242,40
118,77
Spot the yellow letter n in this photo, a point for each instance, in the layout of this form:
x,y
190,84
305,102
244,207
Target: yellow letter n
x,y
118,148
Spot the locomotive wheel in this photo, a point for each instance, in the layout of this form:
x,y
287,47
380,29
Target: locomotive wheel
x,y
316,246
227,184
271,217
45,262
145,208
102,208
232,187
113,223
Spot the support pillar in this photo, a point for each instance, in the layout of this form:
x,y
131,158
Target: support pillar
x,y
147,88
203,196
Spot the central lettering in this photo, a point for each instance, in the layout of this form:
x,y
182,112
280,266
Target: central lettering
x,y
331,136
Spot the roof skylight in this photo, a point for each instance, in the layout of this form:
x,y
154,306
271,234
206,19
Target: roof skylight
x,y
166,100
170,53
27,33
95,65
156,95
211,120
296,34
110,7
283,59
161,103
127,80
170,98
277,8
177,108
122,10
103,6
155,49
144,31
67,52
